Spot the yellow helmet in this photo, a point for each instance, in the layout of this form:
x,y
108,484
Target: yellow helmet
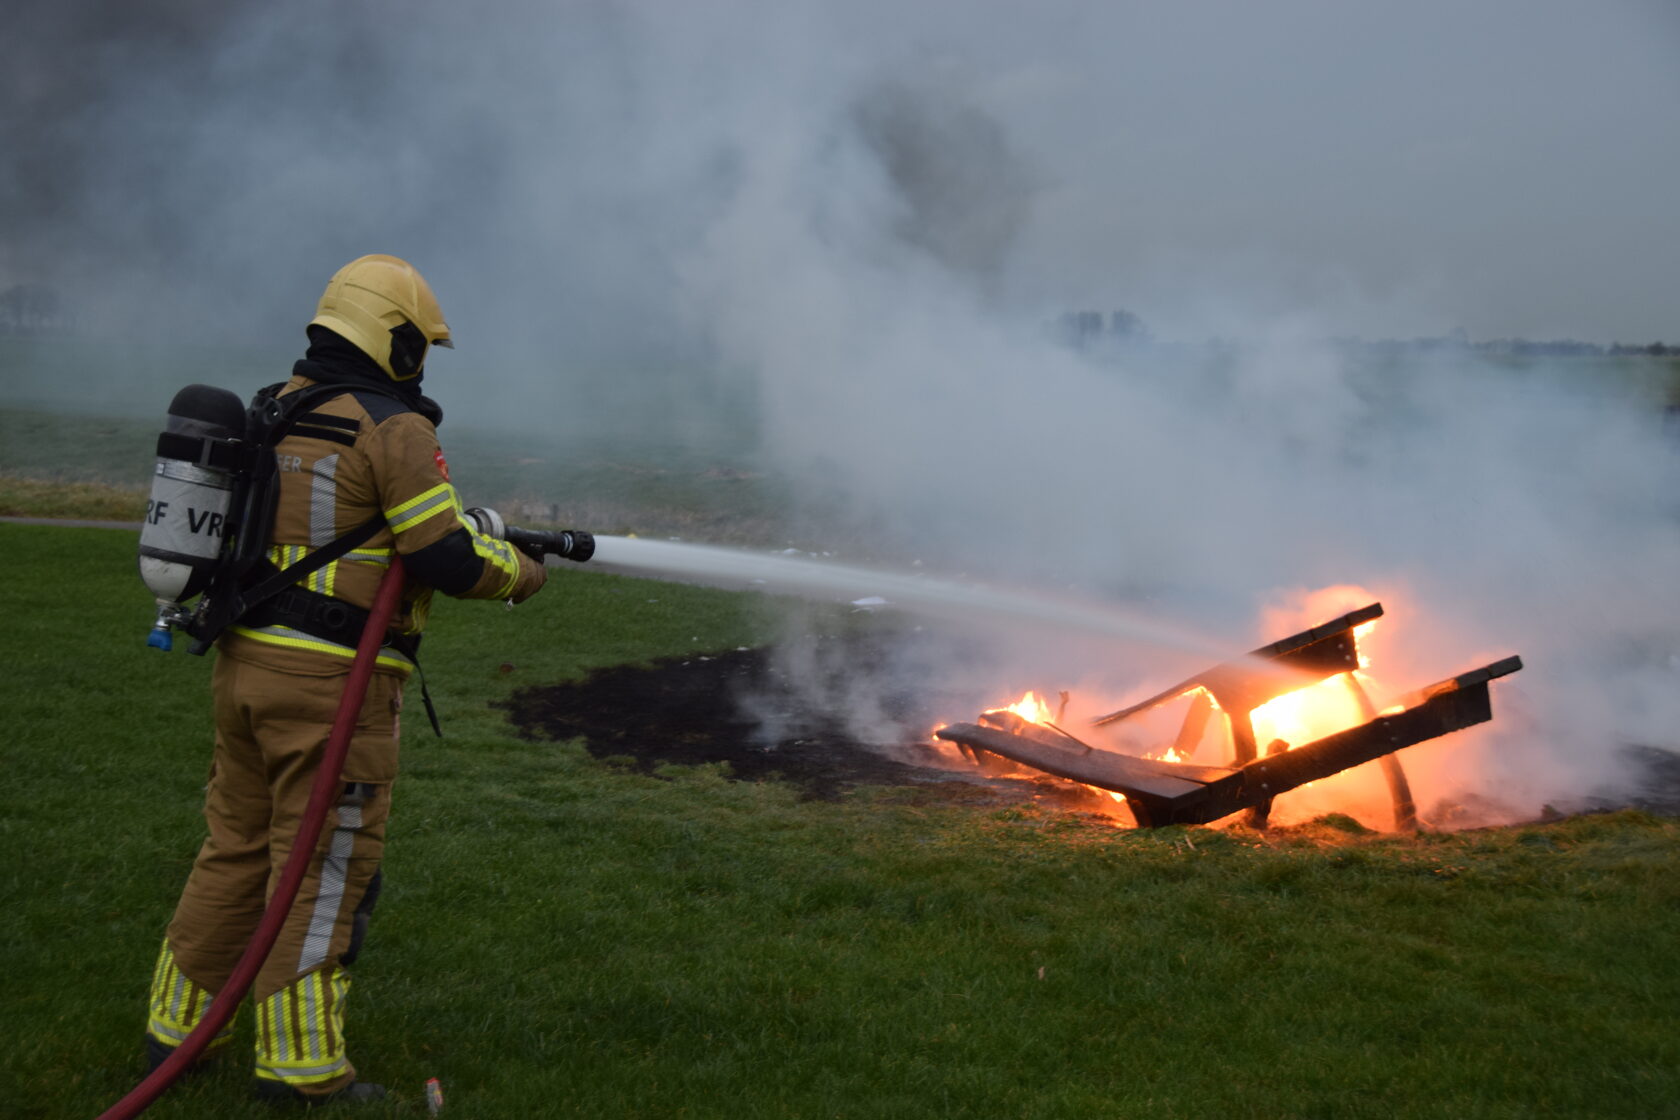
x,y
385,307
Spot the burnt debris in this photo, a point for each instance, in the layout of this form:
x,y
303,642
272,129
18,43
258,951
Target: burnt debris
x,y
1162,793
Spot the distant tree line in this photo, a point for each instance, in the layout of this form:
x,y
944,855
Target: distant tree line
x,y
1090,328
1515,347
1087,329
31,308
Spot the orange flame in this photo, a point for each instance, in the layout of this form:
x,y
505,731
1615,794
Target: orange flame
x,y
1296,718
1322,708
1310,713
1029,708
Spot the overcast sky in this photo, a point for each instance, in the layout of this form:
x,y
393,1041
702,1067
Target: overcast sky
x,y
1508,166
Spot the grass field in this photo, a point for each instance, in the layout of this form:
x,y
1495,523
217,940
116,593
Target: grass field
x,y
562,936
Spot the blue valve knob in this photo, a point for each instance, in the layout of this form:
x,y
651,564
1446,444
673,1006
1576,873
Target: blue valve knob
x,y
160,638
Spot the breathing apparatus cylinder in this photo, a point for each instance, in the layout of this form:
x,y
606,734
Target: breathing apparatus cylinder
x,y
199,458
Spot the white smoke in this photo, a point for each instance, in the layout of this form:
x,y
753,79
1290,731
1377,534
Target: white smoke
x,y
1508,511
862,216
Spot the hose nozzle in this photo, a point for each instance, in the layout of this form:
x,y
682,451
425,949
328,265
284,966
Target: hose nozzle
x,y
568,544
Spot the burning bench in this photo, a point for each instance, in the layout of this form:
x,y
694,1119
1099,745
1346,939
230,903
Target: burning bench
x,y
1162,792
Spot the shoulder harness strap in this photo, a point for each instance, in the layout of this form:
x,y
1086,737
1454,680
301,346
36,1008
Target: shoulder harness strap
x,y
269,420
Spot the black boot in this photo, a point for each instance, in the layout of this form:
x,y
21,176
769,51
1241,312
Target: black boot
x,y
158,1052
278,1092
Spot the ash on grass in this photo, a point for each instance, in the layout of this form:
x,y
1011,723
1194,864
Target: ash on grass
x,y
735,708
1653,786
738,709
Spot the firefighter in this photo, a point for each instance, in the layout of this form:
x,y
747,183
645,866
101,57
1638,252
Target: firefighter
x,y
280,672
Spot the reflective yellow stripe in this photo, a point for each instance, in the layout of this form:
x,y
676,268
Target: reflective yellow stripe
x,y
300,1030
287,638
177,1005
499,555
439,499
325,579
284,554
494,551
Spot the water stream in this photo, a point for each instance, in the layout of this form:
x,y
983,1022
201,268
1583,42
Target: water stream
x,y
924,595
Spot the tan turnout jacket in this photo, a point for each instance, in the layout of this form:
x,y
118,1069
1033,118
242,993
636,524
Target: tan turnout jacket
x,y
344,461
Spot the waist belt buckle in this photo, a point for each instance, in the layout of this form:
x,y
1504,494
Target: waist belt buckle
x,y
333,616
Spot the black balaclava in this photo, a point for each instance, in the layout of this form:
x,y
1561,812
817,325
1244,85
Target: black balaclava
x,y
333,359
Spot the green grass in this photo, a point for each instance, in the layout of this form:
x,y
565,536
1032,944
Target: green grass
x,y
21,496
69,447
561,936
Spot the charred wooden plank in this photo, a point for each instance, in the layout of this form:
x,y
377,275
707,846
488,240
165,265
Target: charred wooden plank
x,y
1162,793
1007,721
1446,706
1194,727
1122,773
1296,661
1400,794
1156,791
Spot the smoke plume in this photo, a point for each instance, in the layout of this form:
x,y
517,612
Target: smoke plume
x,y
862,218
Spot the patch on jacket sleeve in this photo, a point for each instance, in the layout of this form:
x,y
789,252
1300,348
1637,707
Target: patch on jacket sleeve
x,y
443,464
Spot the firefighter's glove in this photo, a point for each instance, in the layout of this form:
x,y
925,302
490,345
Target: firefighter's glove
x,y
532,575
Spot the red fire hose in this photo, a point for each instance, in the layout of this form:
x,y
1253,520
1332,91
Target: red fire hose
x,y
321,797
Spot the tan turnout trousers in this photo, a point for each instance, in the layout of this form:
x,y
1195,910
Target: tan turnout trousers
x,y
271,732
353,457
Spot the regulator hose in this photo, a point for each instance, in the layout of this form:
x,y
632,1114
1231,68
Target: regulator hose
x,y
321,797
